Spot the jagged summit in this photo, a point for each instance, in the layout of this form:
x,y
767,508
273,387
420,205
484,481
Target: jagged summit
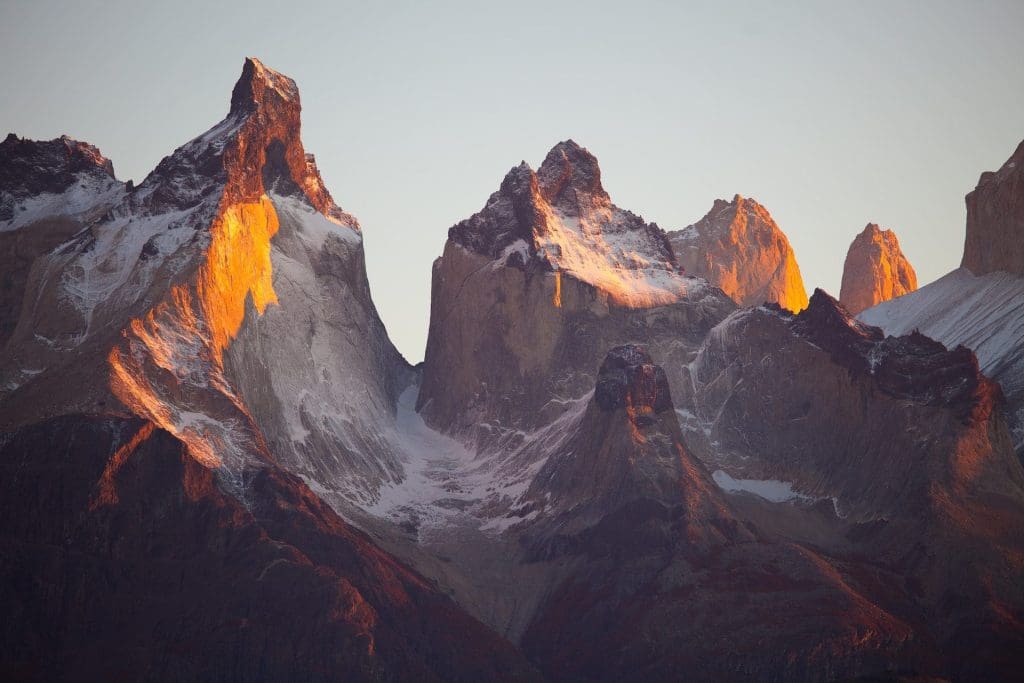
x,y
260,84
875,270
42,179
256,149
738,247
626,452
560,218
30,168
569,168
911,367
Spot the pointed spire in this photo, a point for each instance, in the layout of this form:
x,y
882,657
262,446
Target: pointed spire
x,y
569,166
258,85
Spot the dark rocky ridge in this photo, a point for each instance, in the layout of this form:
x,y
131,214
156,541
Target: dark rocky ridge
x,y
912,367
628,377
34,167
832,405
122,558
569,180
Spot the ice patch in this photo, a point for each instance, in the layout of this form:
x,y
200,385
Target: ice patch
x,y
771,490
314,227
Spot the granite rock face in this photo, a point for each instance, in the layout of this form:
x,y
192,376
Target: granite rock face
x,y
875,270
995,220
188,354
738,247
533,290
844,412
613,474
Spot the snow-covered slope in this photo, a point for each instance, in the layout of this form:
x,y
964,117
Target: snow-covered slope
x,y
224,299
984,313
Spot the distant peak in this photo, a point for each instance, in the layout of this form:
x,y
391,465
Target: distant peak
x,y
34,166
569,166
258,84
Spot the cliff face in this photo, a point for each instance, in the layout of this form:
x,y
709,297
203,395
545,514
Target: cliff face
x,y
189,352
979,304
995,220
739,248
873,423
875,270
532,291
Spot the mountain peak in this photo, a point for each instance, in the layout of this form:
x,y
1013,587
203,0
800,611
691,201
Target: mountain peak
x,y
875,270
628,378
33,167
259,85
568,166
738,247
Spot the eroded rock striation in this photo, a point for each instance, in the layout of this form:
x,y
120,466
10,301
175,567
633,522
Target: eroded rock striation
x,y
875,270
738,247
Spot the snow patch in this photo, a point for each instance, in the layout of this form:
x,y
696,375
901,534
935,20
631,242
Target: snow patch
x,y
313,227
771,490
87,192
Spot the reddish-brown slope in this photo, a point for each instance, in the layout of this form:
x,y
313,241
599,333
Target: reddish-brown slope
x,y
122,559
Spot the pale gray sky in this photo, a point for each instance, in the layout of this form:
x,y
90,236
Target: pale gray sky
x,y
830,114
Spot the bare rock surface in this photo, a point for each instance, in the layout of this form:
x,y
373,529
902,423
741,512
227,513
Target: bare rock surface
x,y
738,247
995,220
875,270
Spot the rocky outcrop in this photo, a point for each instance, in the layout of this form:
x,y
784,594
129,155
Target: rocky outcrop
x,y
875,270
626,452
738,247
651,546
533,290
31,168
982,313
48,192
995,220
873,423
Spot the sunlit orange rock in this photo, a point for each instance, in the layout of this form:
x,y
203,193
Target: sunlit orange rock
x,y
875,270
738,247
